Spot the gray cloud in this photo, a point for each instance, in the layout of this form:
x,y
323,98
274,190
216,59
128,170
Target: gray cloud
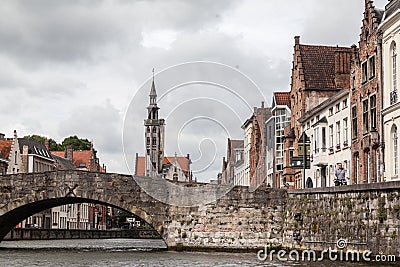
x,y
72,67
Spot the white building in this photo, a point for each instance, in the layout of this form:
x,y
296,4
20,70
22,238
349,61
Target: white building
x,y
391,105
248,130
328,128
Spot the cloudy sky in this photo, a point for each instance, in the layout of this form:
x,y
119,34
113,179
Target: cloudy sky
x,y
84,67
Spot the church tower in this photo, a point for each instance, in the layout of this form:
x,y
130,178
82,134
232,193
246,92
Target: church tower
x,y
154,136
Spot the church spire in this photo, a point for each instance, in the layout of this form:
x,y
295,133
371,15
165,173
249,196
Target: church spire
x,y
153,93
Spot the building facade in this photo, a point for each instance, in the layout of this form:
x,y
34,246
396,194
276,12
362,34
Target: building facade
x,y
274,132
390,28
365,100
232,165
328,127
318,73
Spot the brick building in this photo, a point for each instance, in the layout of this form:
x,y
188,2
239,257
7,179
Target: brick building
x,y
258,146
318,72
365,99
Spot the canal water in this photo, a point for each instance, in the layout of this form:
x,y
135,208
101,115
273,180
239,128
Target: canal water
x,y
128,252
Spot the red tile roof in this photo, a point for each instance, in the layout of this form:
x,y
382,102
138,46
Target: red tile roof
x,y
140,164
5,148
318,64
183,162
78,157
282,98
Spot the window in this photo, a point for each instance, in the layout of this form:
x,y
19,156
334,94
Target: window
x,y
394,67
354,122
393,93
154,142
371,63
308,125
148,129
317,118
316,140
330,111
368,166
395,152
372,102
337,107
357,168
338,133
344,103
364,71
365,116
15,158
154,129
331,136
353,83
323,139
345,131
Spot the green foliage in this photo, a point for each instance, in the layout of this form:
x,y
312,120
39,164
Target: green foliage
x,y
76,143
53,146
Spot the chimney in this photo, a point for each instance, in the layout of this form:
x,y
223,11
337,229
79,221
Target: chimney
x,y
297,40
47,143
187,156
69,153
15,134
262,104
25,150
2,136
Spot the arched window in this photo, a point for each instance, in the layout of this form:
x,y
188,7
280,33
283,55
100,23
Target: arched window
x,y
154,129
394,67
395,150
148,129
309,183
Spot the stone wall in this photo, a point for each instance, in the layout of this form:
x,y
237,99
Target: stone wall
x,y
367,216
241,220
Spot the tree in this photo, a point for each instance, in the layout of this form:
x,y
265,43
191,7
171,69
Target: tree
x,y
76,143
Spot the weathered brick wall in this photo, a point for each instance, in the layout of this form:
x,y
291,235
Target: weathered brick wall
x,y
367,216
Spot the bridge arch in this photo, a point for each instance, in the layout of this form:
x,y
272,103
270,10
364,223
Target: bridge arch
x,y
14,216
23,195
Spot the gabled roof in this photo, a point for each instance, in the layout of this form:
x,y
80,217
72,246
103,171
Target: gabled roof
x,y
5,148
63,163
34,147
318,65
81,158
182,161
282,98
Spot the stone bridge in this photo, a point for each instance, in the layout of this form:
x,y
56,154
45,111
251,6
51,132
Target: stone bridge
x,y
238,220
